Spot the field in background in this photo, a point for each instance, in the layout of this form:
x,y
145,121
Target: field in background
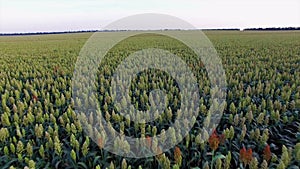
x,y
39,128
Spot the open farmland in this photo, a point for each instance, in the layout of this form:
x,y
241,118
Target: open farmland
x,y
260,126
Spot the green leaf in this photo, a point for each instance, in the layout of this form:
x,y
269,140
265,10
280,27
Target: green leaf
x,y
221,156
83,165
95,160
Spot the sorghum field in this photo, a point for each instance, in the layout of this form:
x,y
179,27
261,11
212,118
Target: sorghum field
x,y
260,126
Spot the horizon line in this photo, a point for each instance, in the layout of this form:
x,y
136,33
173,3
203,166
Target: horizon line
x,y
166,29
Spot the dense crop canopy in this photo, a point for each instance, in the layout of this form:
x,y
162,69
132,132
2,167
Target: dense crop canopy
x,y
260,126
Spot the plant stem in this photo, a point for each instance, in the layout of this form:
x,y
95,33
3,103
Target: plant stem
x,y
212,159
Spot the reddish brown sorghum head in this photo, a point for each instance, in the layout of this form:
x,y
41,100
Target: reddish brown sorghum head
x,y
100,142
246,155
243,154
55,69
267,153
177,156
214,141
159,153
148,141
249,156
34,97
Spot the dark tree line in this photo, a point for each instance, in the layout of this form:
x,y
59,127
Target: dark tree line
x,y
273,29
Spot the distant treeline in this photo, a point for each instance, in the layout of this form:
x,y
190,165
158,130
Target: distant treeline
x,y
228,29
272,29
45,33
86,31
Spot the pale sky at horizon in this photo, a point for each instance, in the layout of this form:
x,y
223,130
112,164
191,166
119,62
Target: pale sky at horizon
x,y
64,15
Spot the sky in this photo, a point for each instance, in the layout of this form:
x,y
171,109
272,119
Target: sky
x,y
71,15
